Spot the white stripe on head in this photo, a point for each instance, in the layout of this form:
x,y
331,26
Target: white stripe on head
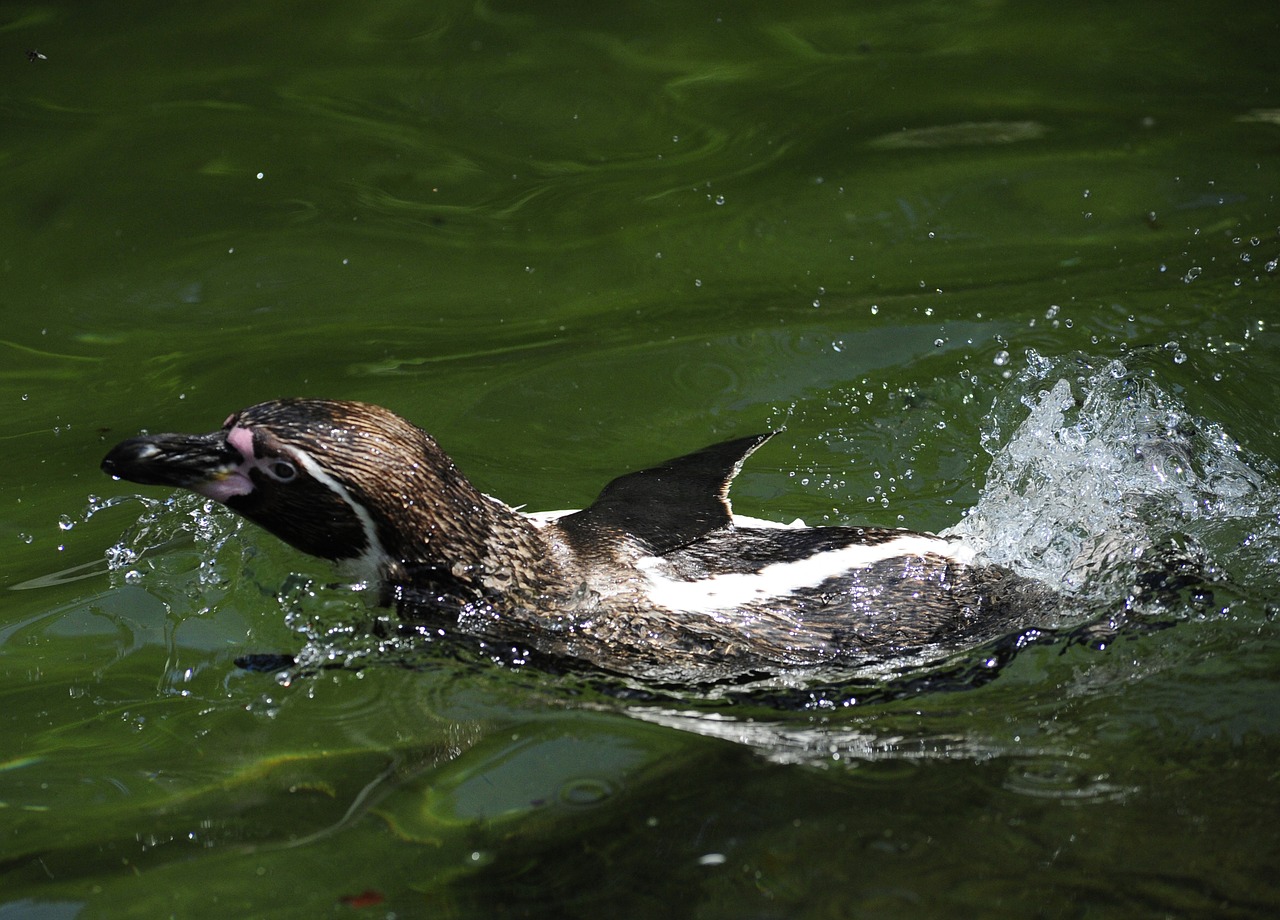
x,y
370,564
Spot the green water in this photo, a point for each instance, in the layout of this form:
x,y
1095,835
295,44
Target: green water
x,y
569,239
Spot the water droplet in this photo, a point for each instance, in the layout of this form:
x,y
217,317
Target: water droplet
x,y
65,523
1001,358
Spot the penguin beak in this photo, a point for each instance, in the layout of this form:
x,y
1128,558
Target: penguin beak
x,y
203,463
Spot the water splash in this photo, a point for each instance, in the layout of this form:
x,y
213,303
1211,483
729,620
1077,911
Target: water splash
x,y
118,557
1105,470
167,524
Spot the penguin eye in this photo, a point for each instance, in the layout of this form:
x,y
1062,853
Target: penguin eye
x,y
282,470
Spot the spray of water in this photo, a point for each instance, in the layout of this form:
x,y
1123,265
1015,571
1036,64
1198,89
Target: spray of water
x,y
1105,470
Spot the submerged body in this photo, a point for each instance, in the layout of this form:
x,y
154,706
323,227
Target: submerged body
x,y
657,578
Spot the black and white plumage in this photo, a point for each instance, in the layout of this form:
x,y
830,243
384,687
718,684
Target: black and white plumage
x,y
657,578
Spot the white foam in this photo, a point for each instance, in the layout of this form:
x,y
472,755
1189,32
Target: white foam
x,y
1104,466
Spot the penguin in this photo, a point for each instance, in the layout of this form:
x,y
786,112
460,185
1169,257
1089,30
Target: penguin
x,y
657,578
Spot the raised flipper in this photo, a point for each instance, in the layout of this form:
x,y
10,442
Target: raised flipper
x,y
670,505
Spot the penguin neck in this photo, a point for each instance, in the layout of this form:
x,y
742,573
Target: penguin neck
x,y
438,532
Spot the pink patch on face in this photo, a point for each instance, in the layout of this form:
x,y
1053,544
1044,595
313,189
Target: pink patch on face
x,y
228,485
234,481
242,440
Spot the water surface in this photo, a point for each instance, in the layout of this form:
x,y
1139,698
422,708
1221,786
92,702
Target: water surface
x,y
990,267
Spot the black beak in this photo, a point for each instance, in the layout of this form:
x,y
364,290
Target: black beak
x,y
188,461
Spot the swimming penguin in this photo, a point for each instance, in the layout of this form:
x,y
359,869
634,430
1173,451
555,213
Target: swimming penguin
x,y
657,578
